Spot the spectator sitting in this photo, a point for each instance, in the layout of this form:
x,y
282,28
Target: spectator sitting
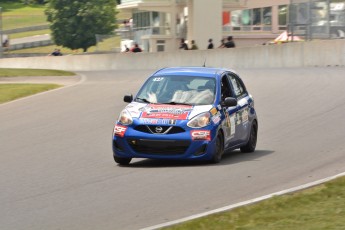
x,y
56,52
136,48
230,43
183,45
222,44
194,46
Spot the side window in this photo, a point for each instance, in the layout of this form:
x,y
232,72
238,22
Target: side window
x,y
238,87
225,88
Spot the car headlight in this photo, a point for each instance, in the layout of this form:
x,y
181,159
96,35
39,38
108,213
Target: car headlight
x,y
200,121
125,118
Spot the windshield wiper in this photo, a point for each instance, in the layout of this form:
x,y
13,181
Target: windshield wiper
x,y
143,100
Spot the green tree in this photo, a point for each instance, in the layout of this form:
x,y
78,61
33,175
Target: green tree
x,y
74,23
34,1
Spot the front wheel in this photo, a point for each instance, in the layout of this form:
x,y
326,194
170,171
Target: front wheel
x,y
122,160
219,150
251,144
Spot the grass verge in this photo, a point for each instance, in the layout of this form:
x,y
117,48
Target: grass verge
x,y
4,72
9,92
320,207
18,15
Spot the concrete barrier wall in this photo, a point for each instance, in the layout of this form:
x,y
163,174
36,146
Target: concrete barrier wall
x,y
301,54
31,44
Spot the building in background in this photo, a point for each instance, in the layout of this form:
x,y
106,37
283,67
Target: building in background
x,y
159,25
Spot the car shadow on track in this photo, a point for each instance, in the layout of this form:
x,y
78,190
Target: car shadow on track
x,y
229,158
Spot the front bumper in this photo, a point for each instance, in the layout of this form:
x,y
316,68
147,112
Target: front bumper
x,y
134,144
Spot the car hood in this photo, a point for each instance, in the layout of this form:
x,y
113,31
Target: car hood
x,y
165,111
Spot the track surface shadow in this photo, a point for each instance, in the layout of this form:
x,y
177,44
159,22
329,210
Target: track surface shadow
x,y
229,158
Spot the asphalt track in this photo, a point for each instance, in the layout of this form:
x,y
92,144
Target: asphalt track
x,y
57,170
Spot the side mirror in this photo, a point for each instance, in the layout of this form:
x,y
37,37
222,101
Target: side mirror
x,y
128,98
229,102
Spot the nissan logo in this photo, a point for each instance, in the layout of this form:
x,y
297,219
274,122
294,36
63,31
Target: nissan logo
x,y
159,129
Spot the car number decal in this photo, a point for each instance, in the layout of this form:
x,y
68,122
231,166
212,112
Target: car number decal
x,y
158,79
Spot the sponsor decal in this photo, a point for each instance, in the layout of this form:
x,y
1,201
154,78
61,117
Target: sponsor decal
x,y
245,115
227,118
198,135
219,107
232,125
242,102
213,111
120,130
171,112
134,113
134,109
216,118
238,118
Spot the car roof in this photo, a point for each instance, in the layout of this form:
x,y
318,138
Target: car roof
x,y
191,71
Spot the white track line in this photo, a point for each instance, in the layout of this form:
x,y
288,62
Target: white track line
x,y
255,200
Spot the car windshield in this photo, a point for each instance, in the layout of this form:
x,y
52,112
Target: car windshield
x,y
190,90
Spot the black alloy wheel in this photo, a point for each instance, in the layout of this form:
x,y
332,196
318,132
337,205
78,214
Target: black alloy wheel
x,y
218,153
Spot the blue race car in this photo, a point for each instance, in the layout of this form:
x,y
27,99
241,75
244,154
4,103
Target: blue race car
x,y
185,113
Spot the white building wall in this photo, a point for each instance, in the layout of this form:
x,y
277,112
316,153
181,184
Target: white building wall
x,y
265,3
204,22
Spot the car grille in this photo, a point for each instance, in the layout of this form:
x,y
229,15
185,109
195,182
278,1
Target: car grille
x,y
161,147
156,129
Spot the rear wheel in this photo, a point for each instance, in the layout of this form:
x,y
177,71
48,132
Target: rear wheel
x,y
251,144
219,150
122,160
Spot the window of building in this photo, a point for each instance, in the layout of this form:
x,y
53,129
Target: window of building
x,y
246,19
256,16
151,22
160,45
141,19
235,19
250,19
267,15
282,16
267,18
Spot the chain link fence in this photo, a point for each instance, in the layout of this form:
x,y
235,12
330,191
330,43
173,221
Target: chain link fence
x,y
317,19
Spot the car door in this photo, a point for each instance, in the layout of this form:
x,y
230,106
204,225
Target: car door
x,y
231,137
242,114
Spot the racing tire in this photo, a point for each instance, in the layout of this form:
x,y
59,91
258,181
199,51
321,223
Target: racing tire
x,y
122,160
219,150
251,144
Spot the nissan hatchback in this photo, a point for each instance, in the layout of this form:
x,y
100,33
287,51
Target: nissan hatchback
x,y
186,113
